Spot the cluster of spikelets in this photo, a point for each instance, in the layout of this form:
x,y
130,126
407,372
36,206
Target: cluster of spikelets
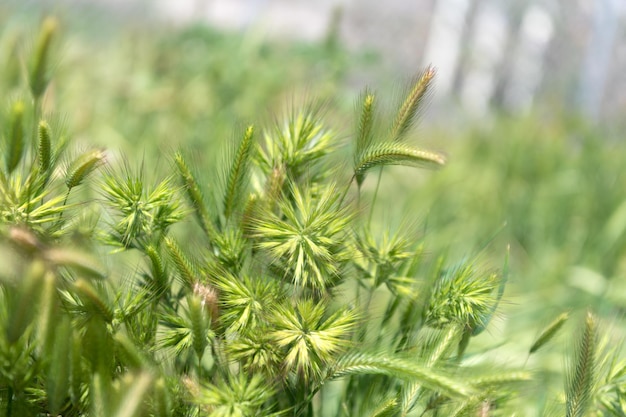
x,y
271,311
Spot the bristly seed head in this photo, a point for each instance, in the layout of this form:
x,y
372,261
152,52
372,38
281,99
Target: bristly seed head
x,y
209,298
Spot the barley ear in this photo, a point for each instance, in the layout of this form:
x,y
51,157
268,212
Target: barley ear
x,y
183,265
15,148
45,146
581,373
38,72
549,332
386,408
93,301
194,195
82,167
362,363
408,111
364,136
393,153
238,175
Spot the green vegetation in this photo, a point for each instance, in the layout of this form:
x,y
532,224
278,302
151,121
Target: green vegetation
x,y
275,278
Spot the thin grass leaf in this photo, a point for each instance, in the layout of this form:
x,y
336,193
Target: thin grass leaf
x,y
581,374
238,175
45,212
408,111
548,332
381,364
392,153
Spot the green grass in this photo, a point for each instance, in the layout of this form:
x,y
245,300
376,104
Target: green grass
x,y
291,267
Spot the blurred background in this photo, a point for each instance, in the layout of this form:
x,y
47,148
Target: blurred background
x,y
529,104
491,54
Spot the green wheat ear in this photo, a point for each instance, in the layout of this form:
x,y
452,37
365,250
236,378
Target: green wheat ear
x,y
45,146
372,150
581,374
38,76
194,195
362,363
549,332
365,134
392,153
82,167
186,268
409,109
15,148
238,174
